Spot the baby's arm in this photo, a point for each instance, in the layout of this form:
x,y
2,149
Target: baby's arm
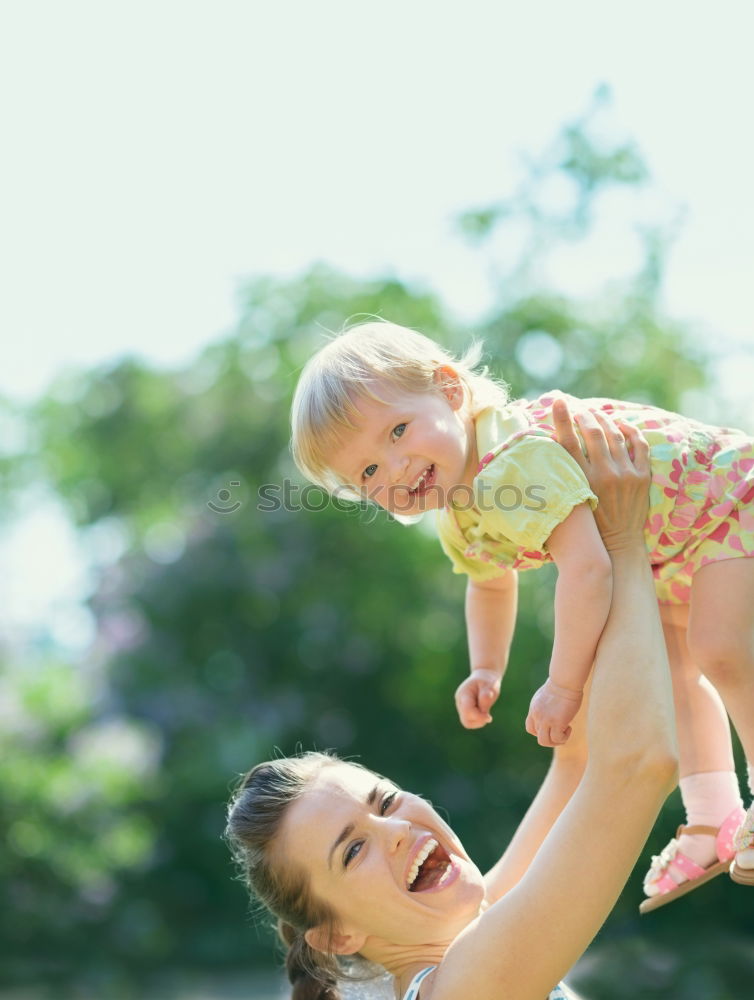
x,y
490,620
582,602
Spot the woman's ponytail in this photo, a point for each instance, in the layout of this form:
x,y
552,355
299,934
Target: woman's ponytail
x,y
310,979
255,817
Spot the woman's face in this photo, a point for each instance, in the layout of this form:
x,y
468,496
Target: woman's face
x,y
382,859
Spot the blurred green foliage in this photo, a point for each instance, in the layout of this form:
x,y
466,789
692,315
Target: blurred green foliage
x,y
222,635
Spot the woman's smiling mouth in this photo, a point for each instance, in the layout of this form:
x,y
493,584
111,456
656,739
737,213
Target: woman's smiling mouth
x,y
432,868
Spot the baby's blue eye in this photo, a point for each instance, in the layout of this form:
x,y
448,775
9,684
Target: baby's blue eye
x,y
369,471
398,431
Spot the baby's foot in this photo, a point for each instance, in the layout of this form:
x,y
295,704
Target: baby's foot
x,y
700,847
744,842
671,866
697,854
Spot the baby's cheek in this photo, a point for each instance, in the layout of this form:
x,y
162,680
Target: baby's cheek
x,y
378,495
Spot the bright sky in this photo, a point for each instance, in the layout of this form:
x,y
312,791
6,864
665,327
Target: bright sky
x,y
157,153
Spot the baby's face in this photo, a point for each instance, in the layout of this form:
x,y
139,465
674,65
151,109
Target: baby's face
x,y
411,452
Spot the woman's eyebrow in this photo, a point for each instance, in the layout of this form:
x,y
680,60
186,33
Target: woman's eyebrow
x,y
347,830
344,834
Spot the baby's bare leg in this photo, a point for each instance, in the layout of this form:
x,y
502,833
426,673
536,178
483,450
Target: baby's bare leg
x,y
721,638
704,741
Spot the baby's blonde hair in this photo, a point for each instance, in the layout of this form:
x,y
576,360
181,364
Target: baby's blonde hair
x,y
356,364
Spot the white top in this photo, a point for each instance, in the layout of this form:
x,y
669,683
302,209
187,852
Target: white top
x,y
412,993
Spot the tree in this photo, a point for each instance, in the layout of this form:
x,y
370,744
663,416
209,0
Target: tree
x,y
248,613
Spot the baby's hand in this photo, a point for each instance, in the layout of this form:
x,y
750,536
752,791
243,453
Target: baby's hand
x,y
550,713
476,696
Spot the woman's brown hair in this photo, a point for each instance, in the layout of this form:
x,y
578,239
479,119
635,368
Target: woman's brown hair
x,y
255,816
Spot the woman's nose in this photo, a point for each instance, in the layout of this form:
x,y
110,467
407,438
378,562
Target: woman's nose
x,y
396,830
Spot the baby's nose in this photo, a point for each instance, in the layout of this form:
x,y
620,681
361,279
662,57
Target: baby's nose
x,y
398,469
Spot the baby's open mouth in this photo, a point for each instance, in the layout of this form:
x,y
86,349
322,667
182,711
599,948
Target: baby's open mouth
x,y
424,481
431,867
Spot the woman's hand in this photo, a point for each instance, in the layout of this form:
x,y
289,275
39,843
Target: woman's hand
x,y
617,467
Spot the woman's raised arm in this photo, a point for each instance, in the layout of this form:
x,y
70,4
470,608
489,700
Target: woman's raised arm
x,y
528,940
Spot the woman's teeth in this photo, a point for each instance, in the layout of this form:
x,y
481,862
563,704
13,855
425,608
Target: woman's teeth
x,y
419,860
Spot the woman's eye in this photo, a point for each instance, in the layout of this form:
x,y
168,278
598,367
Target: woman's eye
x,y
387,802
369,471
398,431
352,852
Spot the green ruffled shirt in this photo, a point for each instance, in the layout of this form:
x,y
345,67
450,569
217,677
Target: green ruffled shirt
x,y
525,487
701,497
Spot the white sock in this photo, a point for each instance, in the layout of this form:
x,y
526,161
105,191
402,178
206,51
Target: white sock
x,y
709,798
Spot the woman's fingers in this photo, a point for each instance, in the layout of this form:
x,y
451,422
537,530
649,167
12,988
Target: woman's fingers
x,y
594,434
613,435
638,448
564,430
595,440
628,446
613,447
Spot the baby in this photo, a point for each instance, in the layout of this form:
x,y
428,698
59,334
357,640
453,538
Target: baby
x,y
384,413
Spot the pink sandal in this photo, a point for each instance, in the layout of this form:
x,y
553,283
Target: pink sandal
x,y
744,841
667,889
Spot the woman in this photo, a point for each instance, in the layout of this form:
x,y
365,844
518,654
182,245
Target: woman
x,y
352,865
